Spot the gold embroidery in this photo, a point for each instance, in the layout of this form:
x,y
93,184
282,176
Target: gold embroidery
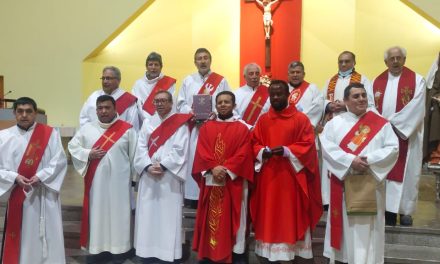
x,y
359,137
31,153
406,95
255,105
107,139
215,209
377,96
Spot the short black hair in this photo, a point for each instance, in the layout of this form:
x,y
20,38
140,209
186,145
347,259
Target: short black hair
x,y
280,83
226,93
105,98
23,101
200,50
350,86
170,96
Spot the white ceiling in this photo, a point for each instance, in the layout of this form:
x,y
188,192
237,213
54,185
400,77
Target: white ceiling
x,y
429,9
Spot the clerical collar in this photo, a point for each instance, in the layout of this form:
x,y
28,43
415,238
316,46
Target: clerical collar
x,y
26,129
295,86
166,116
154,79
346,73
204,77
224,117
107,125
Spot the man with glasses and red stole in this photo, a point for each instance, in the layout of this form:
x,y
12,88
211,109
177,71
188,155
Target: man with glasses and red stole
x,y
103,152
161,160
126,106
32,169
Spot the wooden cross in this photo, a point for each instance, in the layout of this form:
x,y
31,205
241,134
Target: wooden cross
x,y
107,139
255,104
267,47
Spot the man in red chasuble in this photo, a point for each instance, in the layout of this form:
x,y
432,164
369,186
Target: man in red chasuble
x,y
286,201
223,165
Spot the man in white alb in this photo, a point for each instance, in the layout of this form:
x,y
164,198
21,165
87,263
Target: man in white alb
x,y
32,169
103,152
125,102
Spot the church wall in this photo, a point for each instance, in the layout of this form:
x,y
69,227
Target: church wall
x,y
43,44
367,28
54,50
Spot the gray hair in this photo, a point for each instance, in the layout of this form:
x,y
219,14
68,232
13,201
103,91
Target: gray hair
x,y
247,66
401,49
294,64
115,71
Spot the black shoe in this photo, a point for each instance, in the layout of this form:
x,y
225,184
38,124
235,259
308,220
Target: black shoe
x,y
406,220
239,258
325,207
390,218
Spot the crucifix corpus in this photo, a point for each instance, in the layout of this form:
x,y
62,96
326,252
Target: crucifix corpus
x,y
266,5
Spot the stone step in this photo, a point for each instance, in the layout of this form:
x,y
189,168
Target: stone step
x,y
412,236
411,254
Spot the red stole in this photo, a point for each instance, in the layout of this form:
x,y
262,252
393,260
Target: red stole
x,y
125,101
211,84
255,106
298,92
105,142
28,167
162,85
405,93
354,142
218,213
355,77
165,130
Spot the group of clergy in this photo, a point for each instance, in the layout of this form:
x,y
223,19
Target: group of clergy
x,y
252,164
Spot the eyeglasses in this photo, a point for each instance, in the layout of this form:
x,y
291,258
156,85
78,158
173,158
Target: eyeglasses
x,y
160,101
22,111
107,78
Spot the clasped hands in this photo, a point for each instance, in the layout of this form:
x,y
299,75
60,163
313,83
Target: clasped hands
x,y
360,164
26,183
156,170
277,151
219,174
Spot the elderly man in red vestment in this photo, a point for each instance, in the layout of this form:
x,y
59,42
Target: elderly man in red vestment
x,y
223,165
286,202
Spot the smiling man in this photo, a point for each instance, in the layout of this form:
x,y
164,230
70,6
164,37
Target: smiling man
x,y
358,143
161,161
146,88
125,102
399,95
204,81
103,152
32,169
223,165
286,200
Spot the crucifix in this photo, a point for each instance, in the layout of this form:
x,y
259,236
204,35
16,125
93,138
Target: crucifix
x,y
266,5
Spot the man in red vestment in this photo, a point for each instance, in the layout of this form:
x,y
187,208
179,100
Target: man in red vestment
x,y
286,201
223,165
